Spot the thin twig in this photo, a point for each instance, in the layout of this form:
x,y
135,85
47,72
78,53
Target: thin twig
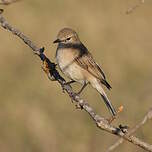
x,y
50,70
7,2
147,117
131,9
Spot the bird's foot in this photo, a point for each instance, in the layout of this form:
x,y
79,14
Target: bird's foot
x,y
66,83
78,105
77,93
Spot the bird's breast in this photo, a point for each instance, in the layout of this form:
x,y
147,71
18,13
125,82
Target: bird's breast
x,y
66,62
65,57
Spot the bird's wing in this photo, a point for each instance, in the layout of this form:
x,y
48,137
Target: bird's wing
x,y
87,62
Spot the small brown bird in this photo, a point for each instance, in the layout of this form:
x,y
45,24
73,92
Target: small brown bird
x,y
77,63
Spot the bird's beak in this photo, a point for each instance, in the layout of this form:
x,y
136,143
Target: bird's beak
x,y
57,41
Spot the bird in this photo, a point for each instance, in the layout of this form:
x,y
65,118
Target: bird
x,y
77,63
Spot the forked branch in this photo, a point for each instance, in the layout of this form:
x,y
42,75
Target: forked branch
x,y
147,117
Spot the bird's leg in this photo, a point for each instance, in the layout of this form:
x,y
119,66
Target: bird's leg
x,y
78,106
84,85
69,82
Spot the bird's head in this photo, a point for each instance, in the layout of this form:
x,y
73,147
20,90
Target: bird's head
x,y
67,36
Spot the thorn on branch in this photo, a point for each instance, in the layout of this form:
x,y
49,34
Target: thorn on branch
x,y
124,129
121,129
42,50
1,11
78,106
112,118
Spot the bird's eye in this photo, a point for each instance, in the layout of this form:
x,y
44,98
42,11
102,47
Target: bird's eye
x,y
68,38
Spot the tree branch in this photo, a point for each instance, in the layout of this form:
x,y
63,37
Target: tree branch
x,y
131,9
7,2
147,117
50,69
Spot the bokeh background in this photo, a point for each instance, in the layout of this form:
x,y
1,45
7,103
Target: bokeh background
x,y
35,116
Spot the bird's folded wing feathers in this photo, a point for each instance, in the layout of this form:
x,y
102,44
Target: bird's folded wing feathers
x,y
87,62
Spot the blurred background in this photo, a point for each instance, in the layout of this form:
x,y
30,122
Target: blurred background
x,y
35,116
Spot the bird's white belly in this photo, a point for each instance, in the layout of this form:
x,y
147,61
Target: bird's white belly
x,y
75,73
67,65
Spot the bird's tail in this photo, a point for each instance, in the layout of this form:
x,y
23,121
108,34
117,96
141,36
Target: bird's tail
x,y
108,104
97,85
